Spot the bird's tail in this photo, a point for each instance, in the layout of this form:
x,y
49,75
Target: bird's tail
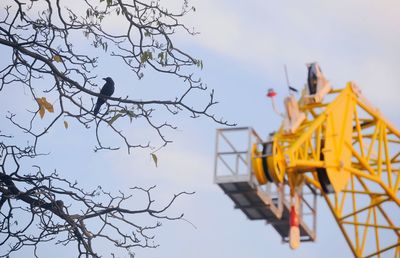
x,y
97,107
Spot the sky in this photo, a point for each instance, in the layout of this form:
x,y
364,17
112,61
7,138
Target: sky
x,y
244,47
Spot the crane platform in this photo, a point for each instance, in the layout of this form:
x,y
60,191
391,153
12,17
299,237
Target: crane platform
x,y
255,204
233,174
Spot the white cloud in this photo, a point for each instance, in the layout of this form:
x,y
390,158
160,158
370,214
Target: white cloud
x,y
351,39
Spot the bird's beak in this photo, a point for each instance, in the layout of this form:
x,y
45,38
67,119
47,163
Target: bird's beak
x,y
105,79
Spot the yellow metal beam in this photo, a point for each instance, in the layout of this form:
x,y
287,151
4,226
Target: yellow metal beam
x,y
351,141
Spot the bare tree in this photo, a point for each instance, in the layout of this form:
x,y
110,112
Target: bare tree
x,y
38,54
36,208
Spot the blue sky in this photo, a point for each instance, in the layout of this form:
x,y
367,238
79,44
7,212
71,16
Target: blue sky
x,y
244,47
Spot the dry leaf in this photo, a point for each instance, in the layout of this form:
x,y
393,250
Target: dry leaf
x,y
155,159
57,58
41,112
66,124
39,101
43,106
49,107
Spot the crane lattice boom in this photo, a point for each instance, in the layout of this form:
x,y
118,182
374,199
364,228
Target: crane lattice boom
x,y
341,147
349,151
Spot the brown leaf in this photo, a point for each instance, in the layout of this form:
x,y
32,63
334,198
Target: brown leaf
x,y
57,58
41,108
39,101
66,124
41,112
49,107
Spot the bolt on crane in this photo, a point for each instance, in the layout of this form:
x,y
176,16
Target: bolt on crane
x,y
332,143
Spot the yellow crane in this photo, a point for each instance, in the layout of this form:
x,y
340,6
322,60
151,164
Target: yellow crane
x,y
332,143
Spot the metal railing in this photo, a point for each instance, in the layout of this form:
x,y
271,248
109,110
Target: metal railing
x,y
233,154
233,165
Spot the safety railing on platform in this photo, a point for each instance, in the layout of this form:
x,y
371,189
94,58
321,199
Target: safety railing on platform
x,y
270,202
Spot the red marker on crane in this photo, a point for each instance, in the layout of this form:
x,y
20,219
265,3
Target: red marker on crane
x,y
271,94
294,221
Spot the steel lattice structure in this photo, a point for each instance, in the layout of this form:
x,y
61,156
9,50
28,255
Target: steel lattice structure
x,y
342,148
348,150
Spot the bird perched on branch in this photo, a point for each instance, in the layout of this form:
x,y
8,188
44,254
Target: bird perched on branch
x,y
107,90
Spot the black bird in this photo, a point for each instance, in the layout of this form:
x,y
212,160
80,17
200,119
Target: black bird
x,y
107,90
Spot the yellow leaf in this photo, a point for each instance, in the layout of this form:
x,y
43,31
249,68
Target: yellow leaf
x,y
41,112
47,105
41,108
39,101
66,124
57,58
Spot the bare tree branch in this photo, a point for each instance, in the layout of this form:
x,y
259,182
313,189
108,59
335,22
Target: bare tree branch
x,y
40,35
38,40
